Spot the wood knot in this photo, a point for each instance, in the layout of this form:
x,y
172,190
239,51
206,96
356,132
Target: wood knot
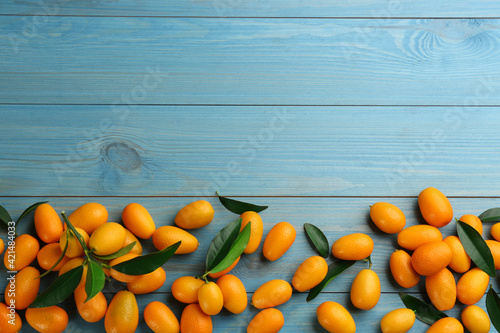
x,y
122,156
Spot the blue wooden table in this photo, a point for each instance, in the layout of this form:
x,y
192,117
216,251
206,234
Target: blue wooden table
x,y
316,108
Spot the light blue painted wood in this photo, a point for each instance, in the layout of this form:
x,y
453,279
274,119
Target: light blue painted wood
x,y
275,8
276,151
186,52
335,216
249,61
300,316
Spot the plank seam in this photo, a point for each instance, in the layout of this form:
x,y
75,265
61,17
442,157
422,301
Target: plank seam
x,y
272,17
267,105
244,196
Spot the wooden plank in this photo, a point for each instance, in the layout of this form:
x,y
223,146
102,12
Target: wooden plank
x,y
335,216
68,60
299,315
258,8
263,151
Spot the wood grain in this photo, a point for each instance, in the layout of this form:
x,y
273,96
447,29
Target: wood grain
x,y
241,8
300,316
68,60
262,151
335,216
317,109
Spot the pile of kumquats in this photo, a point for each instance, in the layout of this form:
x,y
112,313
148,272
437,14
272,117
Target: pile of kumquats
x,y
87,250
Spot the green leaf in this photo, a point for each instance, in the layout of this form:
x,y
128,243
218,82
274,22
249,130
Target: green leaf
x,y
334,270
476,248
95,279
221,243
318,239
29,209
424,312
493,307
147,263
239,207
236,250
118,253
60,289
5,216
490,215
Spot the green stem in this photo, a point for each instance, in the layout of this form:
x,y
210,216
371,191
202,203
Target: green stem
x,y
77,234
370,262
90,256
204,277
104,265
